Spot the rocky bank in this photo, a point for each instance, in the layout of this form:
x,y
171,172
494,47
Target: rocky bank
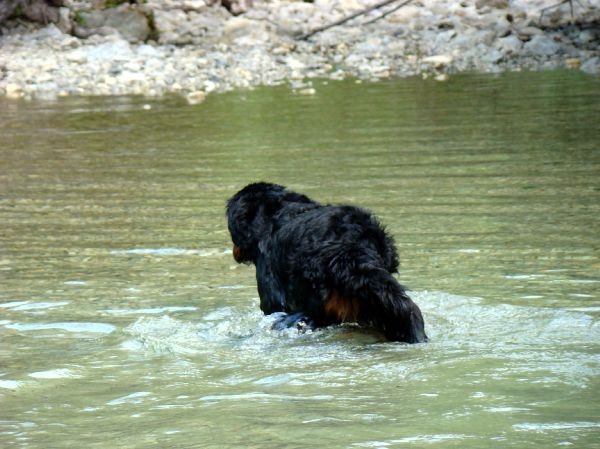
x,y
192,48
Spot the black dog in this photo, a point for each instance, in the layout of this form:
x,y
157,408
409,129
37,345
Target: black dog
x,y
321,264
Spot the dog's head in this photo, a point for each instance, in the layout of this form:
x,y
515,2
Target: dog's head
x,y
250,214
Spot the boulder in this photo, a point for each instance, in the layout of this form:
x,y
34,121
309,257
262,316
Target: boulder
x,y
130,22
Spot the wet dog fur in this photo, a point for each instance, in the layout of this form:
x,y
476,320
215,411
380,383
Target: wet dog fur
x,y
321,264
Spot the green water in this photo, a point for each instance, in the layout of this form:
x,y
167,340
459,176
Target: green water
x,y
124,321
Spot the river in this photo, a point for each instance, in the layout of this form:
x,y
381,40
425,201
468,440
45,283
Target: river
x,y
125,322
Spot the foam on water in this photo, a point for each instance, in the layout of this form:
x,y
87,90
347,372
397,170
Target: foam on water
x,y
542,427
102,328
421,439
59,373
558,344
149,311
173,252
133,398
26,305
11,384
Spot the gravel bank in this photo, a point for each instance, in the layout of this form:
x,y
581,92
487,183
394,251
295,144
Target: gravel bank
x,y
196,49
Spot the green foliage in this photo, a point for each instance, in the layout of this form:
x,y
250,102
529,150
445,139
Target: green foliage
x,y
154,34
79,18
18,11
114,3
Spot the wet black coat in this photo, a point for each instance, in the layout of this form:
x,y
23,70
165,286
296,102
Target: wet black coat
x,y
324,264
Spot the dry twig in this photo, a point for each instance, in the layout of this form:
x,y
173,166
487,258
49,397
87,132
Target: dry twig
x,y
352,16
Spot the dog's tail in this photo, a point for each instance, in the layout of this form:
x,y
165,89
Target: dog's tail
x,y
365,293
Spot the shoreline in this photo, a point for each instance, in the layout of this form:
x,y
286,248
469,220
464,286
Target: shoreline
x,y
221,52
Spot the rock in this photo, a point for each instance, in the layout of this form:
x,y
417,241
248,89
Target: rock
x,y
591,66
13,90
175,26
498,4
236,7
131,23
50,32
349,5
406,15
193,5
307,91
117,50
130,77
64,20
147,51
229,52
294,64
195,97
41,11
369,48
573,63
245,32
493,56
542,45
77,56
237,26
90,19
85,33
510,45
586,36
7,9
438,61
527,33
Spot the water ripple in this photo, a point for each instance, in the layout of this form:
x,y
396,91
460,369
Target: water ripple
x,y
101,328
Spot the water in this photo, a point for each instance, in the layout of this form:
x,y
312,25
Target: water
x,y
124,321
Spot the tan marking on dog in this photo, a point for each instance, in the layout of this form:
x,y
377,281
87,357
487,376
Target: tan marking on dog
x,y
342,309
237,253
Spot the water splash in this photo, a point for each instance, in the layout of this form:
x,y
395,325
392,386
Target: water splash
x,y
101,328
546,344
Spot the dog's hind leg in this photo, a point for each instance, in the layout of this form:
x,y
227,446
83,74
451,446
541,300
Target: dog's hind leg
x,y
361,291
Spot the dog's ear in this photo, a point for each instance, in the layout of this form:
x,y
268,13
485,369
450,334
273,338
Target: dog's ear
x,y
249,217
251,213
240,217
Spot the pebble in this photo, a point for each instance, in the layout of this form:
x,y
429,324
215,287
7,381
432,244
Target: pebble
x,y
439,61
196,97
573,63
307,91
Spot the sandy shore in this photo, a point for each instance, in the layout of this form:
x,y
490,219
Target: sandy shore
x,y
196,49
